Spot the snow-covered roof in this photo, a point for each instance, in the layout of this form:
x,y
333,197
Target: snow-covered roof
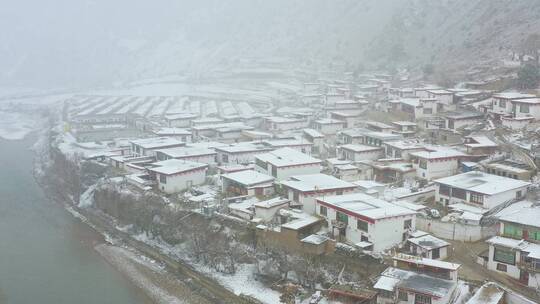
x,y
313,133
361,132
489,293
513,95
417,282
157,142
482,182
440,92
328,121
287,157
527,100
316,182
413,102
314,239
180,116
359,148
286,142
172,131
426,262
363,205
273,202
480,142
243,148
175,166
367,184
248,177
405,144
378,124
182,152
429,242
436,152
300,221
386,283
523,212
532,249
404,123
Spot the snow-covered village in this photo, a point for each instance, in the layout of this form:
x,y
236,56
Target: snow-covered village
x,y
276,180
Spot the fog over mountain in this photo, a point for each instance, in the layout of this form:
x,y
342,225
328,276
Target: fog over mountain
x,y
63,43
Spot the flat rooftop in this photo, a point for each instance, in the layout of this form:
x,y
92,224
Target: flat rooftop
x,y
249,177
316,182
175,166
284,157
482,182
365,205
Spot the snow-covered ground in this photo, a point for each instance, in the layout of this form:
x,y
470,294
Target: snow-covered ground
x,y
242,282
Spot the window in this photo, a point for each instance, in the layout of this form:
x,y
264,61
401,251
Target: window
x,y
422,299
407,224
444,190
296,196
504,256
524,108
362,225
512,231
435,253
518,194
428,111
403,296
274,171
501,267
342,217
477,198
260,163
459,193
162,179
339,192
422,164
225,158
385,294
502,103
323,210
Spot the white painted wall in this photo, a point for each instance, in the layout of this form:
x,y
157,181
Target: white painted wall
x,y
437,169
383,234
180,182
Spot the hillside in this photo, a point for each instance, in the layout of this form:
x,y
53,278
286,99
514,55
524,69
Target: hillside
x,y
96,42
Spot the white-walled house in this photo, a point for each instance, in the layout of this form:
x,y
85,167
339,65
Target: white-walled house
x,y
516,251
240,153
194,154
515,258
445,99
359,152
402,148
180,120
428,246
479,189
277,123
456,120
175,175
247,182
148,146
303,189
266,210
502,102
328,126
359,217
285,162
178,133
405,128
316,138
436,162
414,280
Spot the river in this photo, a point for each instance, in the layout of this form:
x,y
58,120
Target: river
x,y
46,255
